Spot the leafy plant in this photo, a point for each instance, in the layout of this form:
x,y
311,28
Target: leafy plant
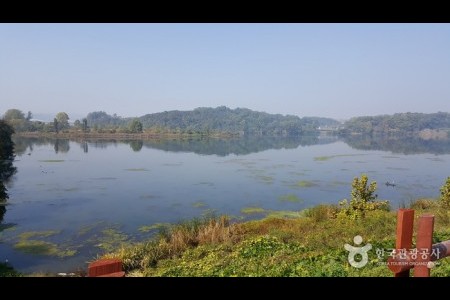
x,y
362,199
445,194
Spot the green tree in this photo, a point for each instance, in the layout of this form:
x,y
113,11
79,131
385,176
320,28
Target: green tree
x,y
6,158
29,116
362,199
361,192
14,114
85,126
63,120
16,118
445,194
135,126
77,124
6,143
56,125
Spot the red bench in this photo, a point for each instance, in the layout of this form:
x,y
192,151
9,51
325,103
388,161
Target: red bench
x,y
110,267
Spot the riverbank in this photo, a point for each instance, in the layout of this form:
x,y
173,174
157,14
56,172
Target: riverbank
x,y
306,243
309,243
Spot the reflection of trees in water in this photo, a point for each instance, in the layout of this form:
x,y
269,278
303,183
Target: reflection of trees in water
x,y
61,146
136,145
22,144
102,144
408,145
237,146
199,145
25,145
84,145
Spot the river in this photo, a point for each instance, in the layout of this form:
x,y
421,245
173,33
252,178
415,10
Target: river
x,y
72,200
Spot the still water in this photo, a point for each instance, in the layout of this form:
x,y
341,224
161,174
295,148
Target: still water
x,y
72,200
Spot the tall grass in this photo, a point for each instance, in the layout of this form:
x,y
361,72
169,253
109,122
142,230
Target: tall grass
x,y
174,240
310,245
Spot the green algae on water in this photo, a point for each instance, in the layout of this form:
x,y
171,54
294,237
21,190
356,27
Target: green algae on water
x,y
305,183
253,210
290,198
199,204
148,228
40,247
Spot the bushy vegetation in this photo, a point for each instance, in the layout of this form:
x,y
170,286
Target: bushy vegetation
x,y
310,245
6,166
362,199
6,270
445,194
6,143
307,243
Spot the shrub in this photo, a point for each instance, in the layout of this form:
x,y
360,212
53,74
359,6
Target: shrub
x,y
445,194
362,199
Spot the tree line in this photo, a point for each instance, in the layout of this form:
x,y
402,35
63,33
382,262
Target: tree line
x,y
397,124
21,123
200,120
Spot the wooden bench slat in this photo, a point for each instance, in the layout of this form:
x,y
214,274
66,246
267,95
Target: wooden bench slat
x,y
105,267
115,274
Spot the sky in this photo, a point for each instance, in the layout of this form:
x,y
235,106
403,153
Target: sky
x,y
328,70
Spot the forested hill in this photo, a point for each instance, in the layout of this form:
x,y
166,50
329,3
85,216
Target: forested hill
x,y
399,123
220,119
239,120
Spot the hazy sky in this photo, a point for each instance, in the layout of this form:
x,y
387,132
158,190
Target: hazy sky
x,y
330,70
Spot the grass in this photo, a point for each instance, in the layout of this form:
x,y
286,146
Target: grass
x,y
111,239
309,243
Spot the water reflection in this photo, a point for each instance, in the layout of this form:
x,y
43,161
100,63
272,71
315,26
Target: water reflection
x,y
84,145
61,146
204,146
405,145
244,145
237,146
136,145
